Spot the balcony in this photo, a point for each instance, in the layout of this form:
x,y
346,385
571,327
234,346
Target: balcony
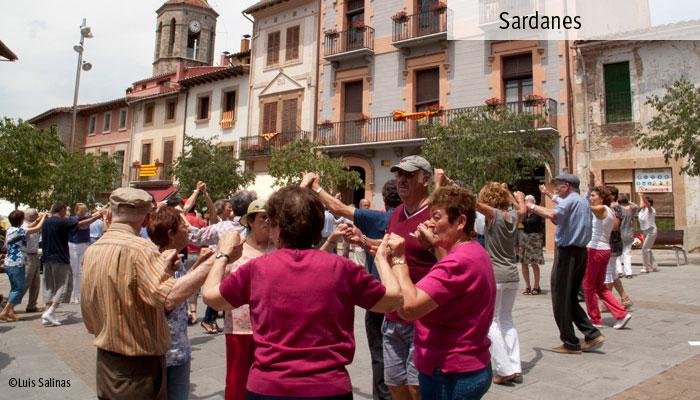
x,y
386,130
162,178
422,28
258,146
357,42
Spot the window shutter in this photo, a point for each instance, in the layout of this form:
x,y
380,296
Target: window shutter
x,y
273,48
618,93
517,66
289,115
292,43
428,86
269,118
168,152
146,153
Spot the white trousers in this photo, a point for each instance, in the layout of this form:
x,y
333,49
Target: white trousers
x,y
624,262
647,256
505,346
76,250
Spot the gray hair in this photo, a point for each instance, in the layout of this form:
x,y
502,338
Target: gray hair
x,y
30,212
241,200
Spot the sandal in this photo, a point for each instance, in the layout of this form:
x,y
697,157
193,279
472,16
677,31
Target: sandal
x,y
536,291
527,291
208,328
217,328
191,319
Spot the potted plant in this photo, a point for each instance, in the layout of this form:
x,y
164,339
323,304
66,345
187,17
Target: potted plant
x,y
440,7
327,124
532,100
359,25
435,109
331,33
400,16
494,102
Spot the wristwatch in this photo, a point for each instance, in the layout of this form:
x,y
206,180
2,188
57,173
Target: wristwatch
x,y
221,255
397,261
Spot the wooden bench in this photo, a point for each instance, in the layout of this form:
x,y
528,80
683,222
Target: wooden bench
x,y
672,240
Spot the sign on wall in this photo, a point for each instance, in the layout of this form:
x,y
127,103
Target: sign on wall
x,y
653,180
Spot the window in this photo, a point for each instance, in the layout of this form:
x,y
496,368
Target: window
x,y
355,17
170,109
269,124
618,94
145,153
228,107
92,124
122,118
517,79
168,149
203,107
148,111
171,39
273,48
193,45
289,115
292,44
107,122
229,101
427,88
158,38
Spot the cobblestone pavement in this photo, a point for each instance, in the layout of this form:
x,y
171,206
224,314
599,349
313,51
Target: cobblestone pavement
x,y
650,359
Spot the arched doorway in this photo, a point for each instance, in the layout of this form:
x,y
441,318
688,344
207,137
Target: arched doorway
x,y
350,196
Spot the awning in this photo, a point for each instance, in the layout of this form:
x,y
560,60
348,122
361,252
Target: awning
x,y
162,194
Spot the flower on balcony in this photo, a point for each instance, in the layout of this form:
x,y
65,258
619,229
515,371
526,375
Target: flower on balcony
x,y
400,16
359,25
330,32
136,163
327,124
435,109
533,100
494,102
440,7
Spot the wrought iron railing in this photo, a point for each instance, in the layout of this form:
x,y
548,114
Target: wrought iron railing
x,y
258,146
421,24
387,129
349,40
490,10
618,107
162,174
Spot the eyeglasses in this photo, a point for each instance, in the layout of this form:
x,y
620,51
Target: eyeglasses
x,y
401,173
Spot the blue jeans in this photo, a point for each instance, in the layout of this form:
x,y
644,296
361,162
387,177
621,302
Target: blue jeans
x,y
459,386
16,276
179,381
210,315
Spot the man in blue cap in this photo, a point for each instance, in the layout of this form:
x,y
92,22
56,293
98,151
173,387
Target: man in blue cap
x,y
572,216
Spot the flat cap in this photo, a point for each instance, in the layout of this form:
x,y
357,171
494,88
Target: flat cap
x,y
568,178
412,164
130,200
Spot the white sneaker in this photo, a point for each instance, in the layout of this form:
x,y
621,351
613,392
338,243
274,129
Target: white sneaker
x,y
49,320
599,325
623,321
644,271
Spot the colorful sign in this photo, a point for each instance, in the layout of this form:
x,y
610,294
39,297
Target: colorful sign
x,y
653,180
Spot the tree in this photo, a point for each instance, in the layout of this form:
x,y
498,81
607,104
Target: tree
x,y
674,130
28,162
83,177
489,144
289,163
205,161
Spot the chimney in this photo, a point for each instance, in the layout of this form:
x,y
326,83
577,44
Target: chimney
x,y
245,44
224,61
180,73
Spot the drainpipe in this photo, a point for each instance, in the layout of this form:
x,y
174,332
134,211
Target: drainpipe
x,y
570,108
586,121
318,71
251,73
184,124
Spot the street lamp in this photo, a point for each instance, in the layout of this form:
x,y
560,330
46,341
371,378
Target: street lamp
x,y
85,32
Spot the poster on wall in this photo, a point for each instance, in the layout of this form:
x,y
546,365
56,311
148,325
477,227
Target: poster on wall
x,y
653,180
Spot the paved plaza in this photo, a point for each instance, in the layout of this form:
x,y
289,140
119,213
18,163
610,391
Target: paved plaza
x,y
651,359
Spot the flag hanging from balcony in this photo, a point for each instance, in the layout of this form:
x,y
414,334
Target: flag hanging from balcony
x,y
416,116
148,170
269,136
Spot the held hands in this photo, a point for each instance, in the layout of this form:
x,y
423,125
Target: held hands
x,y
311,180
201,186
544,191
171,258
204,255
396,245
425,236
519,196
231,244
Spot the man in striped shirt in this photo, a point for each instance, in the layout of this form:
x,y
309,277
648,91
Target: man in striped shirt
x,y
128,287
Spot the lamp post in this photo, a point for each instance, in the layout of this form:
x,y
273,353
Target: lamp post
x,y
85,32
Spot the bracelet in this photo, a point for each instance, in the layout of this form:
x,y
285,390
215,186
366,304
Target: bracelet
x,y
318,190
398,261
363,241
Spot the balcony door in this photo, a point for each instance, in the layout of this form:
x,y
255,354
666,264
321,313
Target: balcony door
x,y
427,95
355,19
429,19
352,112
517,80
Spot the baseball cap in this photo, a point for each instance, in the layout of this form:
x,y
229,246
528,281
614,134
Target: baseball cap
x,y
131,200
412,164
568,178
256,206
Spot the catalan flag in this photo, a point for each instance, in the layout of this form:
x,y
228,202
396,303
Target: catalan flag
x,y
148,170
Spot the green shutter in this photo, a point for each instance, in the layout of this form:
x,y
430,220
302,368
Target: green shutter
x,y
618,95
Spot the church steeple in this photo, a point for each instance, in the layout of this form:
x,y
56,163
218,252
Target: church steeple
x,y
185,30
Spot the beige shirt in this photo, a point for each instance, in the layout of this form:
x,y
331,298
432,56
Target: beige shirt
x,y
123,294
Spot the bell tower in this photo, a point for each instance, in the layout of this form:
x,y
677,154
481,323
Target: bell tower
x,y
185,30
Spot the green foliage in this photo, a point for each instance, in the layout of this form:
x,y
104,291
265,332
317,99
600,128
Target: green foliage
x,y
83,177
212,164
674,130
485,144
290,162
28,162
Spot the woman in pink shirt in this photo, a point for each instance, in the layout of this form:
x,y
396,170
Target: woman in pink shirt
x,y
453,304
302,302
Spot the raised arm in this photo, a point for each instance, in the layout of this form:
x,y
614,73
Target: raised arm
x,y
192,200
335,206
94,217
188,285
35,226
231,245
416,303
332,240
393,298
519,203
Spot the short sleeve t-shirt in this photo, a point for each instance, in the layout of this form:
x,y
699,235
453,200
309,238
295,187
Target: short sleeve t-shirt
x,y
573,221
418,258
54,239
454,336
16,243
500,244
197,223
80,235
302,305
373,224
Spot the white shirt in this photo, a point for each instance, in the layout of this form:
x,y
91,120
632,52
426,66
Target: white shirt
x,y
32,241
480,223
601,229
647,218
